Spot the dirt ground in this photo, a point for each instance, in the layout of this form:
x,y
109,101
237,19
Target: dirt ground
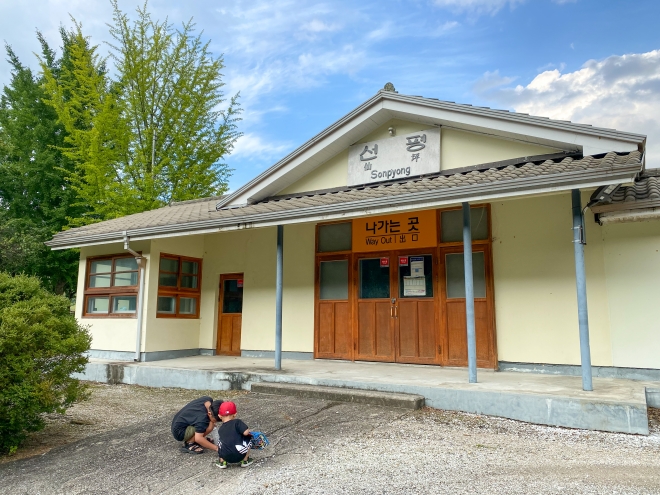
x,y
119,442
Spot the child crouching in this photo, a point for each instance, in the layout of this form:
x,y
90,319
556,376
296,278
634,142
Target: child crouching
x,y
235,439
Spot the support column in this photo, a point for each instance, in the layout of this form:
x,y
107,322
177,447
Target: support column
x,y
469,294
581,281
278,298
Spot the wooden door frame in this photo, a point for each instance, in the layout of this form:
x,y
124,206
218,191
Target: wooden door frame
x,y
356,257
317,299
433,251
490,301
223,277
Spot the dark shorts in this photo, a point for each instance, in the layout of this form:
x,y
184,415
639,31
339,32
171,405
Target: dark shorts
x,y
233,456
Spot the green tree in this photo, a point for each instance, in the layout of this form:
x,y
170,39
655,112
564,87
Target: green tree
x,y
154,135
41,345
35,200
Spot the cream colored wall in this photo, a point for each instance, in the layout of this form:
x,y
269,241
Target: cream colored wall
x,y
298,294
632,265
163,334
457,149
464,149
534,274
333,173
112,334
252,252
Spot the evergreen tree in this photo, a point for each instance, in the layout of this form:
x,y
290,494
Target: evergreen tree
x,y
35,200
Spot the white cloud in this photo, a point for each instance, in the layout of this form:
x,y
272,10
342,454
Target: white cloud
x,y
491,7
253,147
620,92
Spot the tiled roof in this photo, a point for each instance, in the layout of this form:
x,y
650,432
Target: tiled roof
x,y
645,188
413,191
644,193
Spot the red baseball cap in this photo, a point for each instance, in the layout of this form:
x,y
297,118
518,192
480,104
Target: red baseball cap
x,y
227,408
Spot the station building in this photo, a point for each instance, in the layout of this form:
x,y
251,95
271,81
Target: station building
x,y
372,249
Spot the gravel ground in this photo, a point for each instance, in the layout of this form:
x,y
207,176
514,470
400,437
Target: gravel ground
x,y
324,447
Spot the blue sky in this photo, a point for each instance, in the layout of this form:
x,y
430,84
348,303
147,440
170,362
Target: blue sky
x,y
302,65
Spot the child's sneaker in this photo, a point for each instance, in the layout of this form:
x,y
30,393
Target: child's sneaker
x,y
247,462
221,464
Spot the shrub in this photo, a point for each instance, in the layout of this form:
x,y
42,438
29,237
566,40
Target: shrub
x,y
41,345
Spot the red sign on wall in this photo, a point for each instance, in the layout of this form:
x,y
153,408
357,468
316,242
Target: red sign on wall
x,y
384,262
239,283
403,260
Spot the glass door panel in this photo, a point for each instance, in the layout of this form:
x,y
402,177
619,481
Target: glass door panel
x,y
375,310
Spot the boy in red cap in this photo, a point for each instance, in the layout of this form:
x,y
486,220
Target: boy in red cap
x,y
235,439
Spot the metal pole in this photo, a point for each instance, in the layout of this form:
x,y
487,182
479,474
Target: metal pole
x,y
138,344
469,294
581,281
278,298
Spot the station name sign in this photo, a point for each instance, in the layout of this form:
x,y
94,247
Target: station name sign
x,y
412,230
408,155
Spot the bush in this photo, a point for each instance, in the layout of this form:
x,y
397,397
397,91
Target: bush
x,y
41,345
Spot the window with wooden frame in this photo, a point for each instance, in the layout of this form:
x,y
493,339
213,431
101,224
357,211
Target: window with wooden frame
x,y
111,287
179,286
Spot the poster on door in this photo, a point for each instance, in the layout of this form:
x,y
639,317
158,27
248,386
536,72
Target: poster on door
x,y
396,231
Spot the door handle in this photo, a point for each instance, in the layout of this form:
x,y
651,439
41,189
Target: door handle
x,y
391,311
396,311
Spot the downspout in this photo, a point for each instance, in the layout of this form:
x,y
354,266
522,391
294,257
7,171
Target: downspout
x,y
141,261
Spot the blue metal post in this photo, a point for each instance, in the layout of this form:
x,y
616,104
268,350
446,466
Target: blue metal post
x,y
278,298
581,280
469,294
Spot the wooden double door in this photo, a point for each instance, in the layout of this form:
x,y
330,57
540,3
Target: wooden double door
x,y
403,306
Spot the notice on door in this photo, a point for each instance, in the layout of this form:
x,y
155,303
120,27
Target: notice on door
x,y
397,231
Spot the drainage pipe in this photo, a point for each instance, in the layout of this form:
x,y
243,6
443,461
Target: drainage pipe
x,y
469,294
581,282
141,261
278,298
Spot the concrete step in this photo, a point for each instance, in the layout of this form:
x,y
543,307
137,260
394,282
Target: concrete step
x,y
375,398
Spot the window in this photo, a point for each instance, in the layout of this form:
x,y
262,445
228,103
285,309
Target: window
x,y
334,237
179,287
111,287
451,225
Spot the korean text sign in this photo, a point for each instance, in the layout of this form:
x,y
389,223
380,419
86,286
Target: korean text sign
x,y
394,232
406,155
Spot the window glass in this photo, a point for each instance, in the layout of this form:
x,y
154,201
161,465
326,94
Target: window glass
x,y
167,279
187,305
334,279
169,265
166,304
416,278
124,304
189,267
97,304
101,266
125,264
452,225
189,282
335,237
99,281
456,275
125,279
374,279
232,297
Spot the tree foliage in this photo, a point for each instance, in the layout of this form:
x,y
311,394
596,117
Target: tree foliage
x,y
153,135
35,200
41,345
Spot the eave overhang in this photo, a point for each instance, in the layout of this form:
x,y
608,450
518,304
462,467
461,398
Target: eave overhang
x,y
527,186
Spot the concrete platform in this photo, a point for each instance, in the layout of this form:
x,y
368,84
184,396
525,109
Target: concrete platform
x,y
615,405
336,394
